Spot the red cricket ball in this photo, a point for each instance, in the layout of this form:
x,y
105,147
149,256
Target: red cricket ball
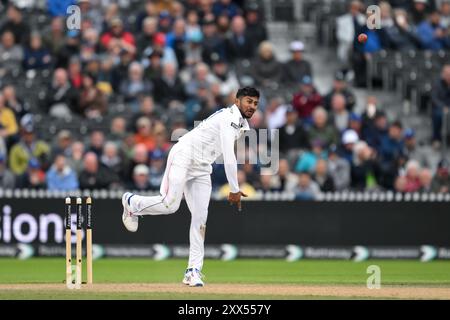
x,y
362,38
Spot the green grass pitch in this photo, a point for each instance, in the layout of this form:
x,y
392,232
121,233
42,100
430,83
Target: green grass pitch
x,y
37,271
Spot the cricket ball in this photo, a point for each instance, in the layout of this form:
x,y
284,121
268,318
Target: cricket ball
x,y
362,38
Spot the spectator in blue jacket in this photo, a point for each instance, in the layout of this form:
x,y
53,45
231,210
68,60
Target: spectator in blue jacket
x,y
431,34
391,154
60,176
58,8
226,7
36,56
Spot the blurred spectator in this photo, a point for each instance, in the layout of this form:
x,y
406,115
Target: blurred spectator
x,y
164,20
256,28
176,39
33,177
213,45
239,44
267,70
445,13
27,148
252,173
371,109
321,130
276,112
245,187
169,87
147,109
391,151
297,67
426,179
75,160
118,130
364,168
61,97
36,56
418,11
224,76
347,27
285,180
7,178
432,34
292,134
116,38
111,159
11,54
374,133
156,172
201,77
135,86
307,99
193,48
440,97
150,10
63,144
400,184
266,183
413,151
61,176
355,123
144,133
399,33
160,44
149,29
322,177
349,139
54,37
154,69
8,123
306,189
92,103
70,49
95,176
140,178
441,180
227,7
339,114
13,102
412,176
74,73
339,169
308,160
15,24
139,155
340,86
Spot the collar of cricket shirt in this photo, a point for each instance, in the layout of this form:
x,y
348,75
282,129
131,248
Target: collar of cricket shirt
x,y
243,123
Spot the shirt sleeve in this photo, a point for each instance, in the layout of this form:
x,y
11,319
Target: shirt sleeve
x,y
227,139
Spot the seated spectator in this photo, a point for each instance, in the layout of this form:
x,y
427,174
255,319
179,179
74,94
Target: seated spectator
x,y
441,180
292,135
13,102
60,176
390,152
375,132
193,49
154,65
322,177
308,160
213,45
11,54
169,87
118,130
307,99
140,178
69,49
147,109
445,14
340,86
201,77
27,148
16,24
117,36
371,109
94,176
149,29
339,114
245,187
306,189
54,37
63,144
413,151
224,76
33,177
36,56
111,159
349,139
266,183
252,173
156,170
400,184
227,7
267,71
93,103
160,45
285,180
74,73
297,67
135,86
418,11
238,45
75,160
61,97
431,34
440,98
339,169
256,27
364,168
426,179
321,130
144,134
400,33
8,123
412,176
355,123
7,178
96,142
164,20
139,155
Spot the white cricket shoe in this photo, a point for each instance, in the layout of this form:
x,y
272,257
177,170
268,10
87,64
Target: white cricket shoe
x,y
129,220
193,278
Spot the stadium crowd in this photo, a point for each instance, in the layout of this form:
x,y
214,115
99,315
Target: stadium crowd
x,y
177,62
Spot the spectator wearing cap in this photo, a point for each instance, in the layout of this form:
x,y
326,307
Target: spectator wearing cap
x,y
35,55
60,176
28,147
239,45
340,117
440,99
339,169
441,180
140,178
154,65
321,129
307,189
160,45
297,67
224,76
61,98
256,28
11,54
33,177
164,21
349,139
293,137
391,152
306,99
116,36
431,33
267,71
307,161
149,29
364,168
340,86
92,102
213,46
413,151
7,178
95,176
156,170
16,24
226,7
8,123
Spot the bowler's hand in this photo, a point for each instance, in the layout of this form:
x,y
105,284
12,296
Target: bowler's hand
x,y
235,198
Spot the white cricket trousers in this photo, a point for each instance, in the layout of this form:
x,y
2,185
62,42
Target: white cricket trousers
x,y
180,178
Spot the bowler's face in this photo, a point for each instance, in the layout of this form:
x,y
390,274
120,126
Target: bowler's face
x,y
247,105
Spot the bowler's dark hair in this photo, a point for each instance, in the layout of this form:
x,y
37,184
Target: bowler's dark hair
x,y
247,92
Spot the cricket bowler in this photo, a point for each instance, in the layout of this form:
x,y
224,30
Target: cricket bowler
x,y
188,171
